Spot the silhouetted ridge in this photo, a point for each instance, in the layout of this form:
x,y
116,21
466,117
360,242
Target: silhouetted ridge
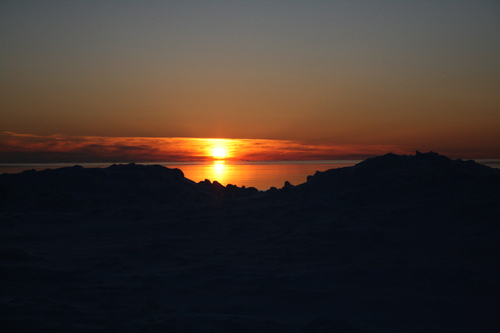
x,y
421,160
392,244
118,185
379,178
399,177
229,191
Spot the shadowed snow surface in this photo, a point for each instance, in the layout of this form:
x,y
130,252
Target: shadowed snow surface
x,y
392,244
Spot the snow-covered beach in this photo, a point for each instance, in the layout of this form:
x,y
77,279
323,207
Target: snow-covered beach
x,y
392,244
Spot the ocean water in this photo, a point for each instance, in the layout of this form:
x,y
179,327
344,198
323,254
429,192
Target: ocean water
x,y
261,175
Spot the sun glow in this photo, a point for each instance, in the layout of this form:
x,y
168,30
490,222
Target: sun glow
x,y
219,152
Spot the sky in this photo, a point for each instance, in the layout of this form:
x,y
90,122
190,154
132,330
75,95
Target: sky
x,y
369,76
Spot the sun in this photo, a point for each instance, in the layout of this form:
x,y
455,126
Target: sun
x,y
219,153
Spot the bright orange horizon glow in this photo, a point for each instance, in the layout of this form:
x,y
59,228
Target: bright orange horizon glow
x,y
27,148
219,153
218,149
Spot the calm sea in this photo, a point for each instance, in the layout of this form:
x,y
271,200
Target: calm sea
x,y
261,175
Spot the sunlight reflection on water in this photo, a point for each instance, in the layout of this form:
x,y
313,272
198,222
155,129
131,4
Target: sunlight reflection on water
x,y
261,175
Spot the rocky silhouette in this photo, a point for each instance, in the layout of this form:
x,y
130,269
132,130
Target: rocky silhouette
x,y
392,244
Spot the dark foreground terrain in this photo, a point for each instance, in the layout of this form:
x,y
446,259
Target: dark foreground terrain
x,y
392,244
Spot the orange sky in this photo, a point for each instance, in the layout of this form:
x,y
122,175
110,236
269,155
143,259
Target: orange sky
x,y
61,148
369,76
34,148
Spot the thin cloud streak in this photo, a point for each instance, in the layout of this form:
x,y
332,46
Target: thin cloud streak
x,y
16,147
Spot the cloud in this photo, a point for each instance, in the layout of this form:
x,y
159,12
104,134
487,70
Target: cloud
x,y
15,147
